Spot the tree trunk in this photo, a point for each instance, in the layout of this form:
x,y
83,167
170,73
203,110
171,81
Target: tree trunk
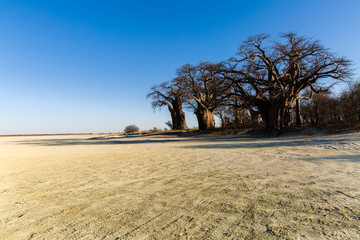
x,y
254,117
205,119
286,117
181,120
297,106
178,119
317,117
274,118
265,118
270,114
173,119
222,118
237,117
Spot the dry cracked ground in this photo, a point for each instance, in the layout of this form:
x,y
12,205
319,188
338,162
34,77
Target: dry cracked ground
x,y
169,187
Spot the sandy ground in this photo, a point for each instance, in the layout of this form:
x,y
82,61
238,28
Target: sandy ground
x,y
168,187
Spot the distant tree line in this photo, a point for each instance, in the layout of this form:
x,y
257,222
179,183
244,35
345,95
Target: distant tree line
x,y
326,109
275,83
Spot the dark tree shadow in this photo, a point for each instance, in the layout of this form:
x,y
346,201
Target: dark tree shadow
x,y
200,142
339,158
269,143
133,139
93,141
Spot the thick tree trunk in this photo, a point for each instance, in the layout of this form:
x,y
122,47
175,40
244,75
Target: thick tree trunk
x,y
173,119
270,114
276,114
178,119
274,117
181,120
265,118
205,119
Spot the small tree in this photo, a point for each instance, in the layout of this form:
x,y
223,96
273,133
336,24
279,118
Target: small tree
x,y
131,129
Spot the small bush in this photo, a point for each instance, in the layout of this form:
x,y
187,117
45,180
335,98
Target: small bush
x,y
169,124
131,129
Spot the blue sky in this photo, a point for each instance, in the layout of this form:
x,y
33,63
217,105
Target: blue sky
x,y
86,66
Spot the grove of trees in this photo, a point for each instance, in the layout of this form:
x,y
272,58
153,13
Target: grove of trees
x,y
262,84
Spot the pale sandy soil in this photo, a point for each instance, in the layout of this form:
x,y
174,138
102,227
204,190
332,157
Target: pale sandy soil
x,y
168,187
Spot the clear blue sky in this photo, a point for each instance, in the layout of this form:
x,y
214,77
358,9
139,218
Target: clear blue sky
x,y
86,66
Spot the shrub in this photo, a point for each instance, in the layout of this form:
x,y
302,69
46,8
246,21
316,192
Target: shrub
x,y
170,125
131,129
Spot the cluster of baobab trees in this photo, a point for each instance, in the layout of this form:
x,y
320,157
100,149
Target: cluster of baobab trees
x,y
263,82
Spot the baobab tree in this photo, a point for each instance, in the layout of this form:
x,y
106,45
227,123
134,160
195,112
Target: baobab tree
x,y
171,95
270,77
205,90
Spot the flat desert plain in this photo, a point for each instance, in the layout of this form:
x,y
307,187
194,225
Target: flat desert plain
x,y
170,187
